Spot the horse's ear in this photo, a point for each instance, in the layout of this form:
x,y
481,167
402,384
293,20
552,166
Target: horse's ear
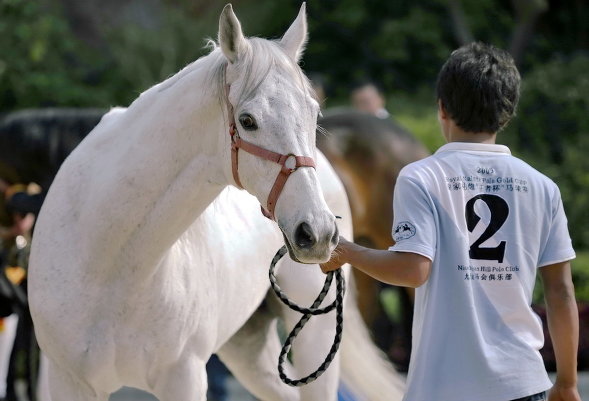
x,y
295,38
231,37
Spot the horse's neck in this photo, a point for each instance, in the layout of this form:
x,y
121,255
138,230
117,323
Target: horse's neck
x,y
166,172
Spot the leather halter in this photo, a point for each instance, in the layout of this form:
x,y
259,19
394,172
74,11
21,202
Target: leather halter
x,y
281,159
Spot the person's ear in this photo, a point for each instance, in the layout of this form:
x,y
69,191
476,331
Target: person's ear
x,y
442,114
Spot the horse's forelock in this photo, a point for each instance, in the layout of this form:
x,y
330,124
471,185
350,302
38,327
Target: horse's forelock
x,y
259,58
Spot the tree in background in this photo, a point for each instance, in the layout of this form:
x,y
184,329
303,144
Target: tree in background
x,y
117,48
552,131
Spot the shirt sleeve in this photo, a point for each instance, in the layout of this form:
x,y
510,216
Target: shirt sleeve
x,y
558,246
414,227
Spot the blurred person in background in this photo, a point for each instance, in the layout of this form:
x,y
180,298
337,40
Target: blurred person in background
x,y
18,350
366,96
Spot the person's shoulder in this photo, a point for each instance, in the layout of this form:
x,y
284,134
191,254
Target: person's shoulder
x,y
530,170
535,175
414,169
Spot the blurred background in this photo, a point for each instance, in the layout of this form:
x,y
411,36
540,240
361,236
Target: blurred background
x,y
378,56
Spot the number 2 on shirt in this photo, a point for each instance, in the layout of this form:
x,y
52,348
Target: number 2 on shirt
x,y
499,212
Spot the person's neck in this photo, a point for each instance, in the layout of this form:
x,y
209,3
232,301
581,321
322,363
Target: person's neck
x,y
458,135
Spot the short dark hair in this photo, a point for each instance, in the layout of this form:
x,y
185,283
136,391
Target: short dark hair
x,y
478,87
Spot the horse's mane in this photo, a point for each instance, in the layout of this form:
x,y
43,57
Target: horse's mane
x,y
258,58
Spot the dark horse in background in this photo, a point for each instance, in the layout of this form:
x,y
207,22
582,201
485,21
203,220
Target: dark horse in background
x,y
34,143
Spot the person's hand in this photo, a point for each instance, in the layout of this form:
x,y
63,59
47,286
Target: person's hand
x,y
564,393
337,257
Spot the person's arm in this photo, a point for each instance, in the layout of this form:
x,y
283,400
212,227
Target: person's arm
x,y
563,324
397,268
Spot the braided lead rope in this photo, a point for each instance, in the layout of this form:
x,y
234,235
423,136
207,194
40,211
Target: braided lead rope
x,y
338,304
313,310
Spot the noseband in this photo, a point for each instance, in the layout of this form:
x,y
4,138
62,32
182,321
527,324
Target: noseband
x,y
278,158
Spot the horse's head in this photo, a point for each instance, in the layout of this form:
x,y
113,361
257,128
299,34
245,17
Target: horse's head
x,y
269,100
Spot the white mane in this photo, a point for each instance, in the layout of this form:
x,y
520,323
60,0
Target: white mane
x,y
259,58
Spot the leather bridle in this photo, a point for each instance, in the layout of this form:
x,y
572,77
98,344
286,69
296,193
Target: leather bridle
x,y
281,159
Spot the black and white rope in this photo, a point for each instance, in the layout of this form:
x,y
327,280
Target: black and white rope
x,y
337,304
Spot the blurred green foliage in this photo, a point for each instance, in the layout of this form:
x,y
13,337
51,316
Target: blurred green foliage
x,y
401,44
418,113
396,43
551,132
580,268
42,64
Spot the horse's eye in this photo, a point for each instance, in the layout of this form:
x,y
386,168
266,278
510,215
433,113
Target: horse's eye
x,y
248,122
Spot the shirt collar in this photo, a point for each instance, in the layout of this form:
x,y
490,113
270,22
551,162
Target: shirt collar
x,y
474,147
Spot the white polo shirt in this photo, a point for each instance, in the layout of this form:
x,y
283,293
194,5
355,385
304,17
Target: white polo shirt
x,y
487,220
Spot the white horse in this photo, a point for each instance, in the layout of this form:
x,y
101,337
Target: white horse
x,y
146,260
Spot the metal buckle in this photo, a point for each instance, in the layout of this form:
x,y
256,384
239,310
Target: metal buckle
x,y
285,160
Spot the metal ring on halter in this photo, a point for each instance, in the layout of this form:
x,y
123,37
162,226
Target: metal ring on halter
x,y
284,159
338,304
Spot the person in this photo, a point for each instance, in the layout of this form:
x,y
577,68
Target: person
x,y
368,98
19,362
472,226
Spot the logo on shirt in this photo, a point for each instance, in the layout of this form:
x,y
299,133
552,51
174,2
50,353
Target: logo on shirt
x,y
404,230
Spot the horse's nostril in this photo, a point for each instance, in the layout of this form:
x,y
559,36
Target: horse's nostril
x,y
304,236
